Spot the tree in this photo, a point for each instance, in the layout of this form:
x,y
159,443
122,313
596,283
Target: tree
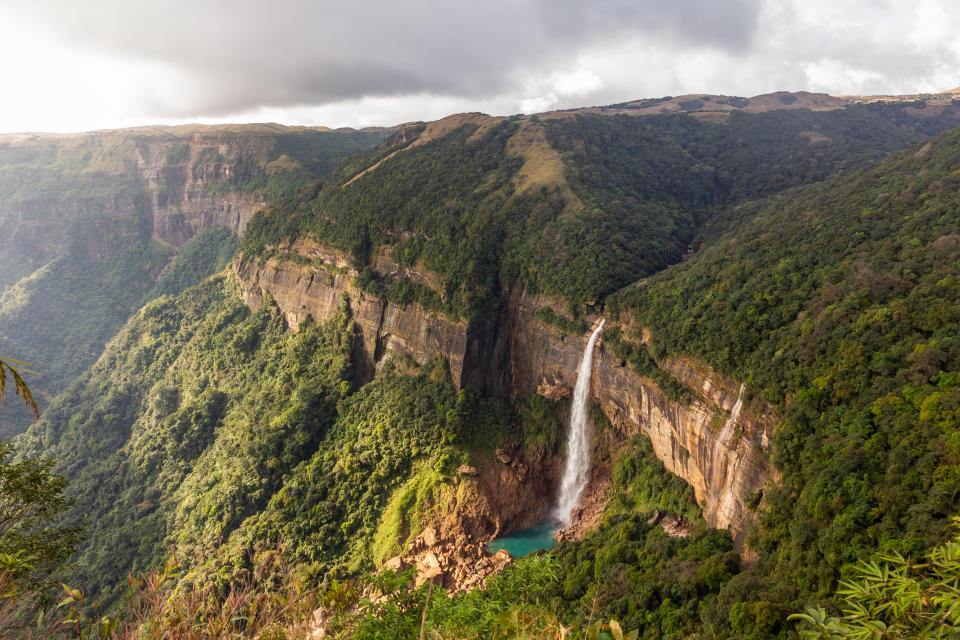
x,y
32,544
19,384
894,598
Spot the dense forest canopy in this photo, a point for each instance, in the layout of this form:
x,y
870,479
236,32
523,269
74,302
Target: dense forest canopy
x,y
644,185
763,245
839,303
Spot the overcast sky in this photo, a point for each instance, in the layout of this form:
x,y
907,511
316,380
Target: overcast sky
x,y
69,65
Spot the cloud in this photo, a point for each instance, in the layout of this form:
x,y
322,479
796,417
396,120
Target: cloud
x,y
74,65
225,57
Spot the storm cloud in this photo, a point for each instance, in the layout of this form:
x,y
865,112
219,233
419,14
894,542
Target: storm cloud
x,y
72,64
242,54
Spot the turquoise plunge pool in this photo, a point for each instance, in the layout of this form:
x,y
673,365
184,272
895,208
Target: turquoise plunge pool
x,y
525,541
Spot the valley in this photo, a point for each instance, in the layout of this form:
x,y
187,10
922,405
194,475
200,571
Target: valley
x,y
359,351
90,222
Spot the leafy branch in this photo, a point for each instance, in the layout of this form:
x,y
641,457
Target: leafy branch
x,y
19,384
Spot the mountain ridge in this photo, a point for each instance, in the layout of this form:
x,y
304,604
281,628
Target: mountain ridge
x,y
390,354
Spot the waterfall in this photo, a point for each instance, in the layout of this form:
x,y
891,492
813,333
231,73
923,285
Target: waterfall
x,y
727,431
576,468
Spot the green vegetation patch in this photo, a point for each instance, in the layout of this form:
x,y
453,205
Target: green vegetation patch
x,y
203,256
642,362
563,324
839,303
647,185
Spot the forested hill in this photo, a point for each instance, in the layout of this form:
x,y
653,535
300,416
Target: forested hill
x,y
785,250
838,302
88,222
577,206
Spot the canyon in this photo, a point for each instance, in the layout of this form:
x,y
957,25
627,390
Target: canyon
x,y
90,222
513,354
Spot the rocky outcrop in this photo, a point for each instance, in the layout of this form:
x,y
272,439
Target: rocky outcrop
x,y
168,183
497,496
516,354
321,288
182,201
724,472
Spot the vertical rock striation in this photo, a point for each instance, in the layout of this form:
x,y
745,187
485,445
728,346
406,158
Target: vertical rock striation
x,y
515,354
182,202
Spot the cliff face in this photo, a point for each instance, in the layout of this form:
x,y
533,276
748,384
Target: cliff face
x,y
516,355
173,182
182,202
89,221
724,466
319,291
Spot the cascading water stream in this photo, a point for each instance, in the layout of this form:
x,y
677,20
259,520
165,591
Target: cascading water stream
x,y
726,433
576,468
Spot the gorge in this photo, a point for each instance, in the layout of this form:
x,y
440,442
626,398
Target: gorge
x,y
754,325
519,355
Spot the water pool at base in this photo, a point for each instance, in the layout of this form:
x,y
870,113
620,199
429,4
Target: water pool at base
x,y
525,541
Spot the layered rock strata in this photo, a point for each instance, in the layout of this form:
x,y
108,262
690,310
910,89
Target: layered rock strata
x,y
515,354
180,198
320,290
724,472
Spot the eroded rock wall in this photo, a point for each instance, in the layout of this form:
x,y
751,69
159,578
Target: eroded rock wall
x,y
516,355
724,472
181,198
301,290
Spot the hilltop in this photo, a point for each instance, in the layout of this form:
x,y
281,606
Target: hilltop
x,y
380,377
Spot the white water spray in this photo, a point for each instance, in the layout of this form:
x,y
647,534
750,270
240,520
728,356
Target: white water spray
x,y
576,469
724,437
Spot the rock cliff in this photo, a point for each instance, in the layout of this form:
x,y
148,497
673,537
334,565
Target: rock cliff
x,y
516,354
498,496
725,472
170,182
318,289
181,201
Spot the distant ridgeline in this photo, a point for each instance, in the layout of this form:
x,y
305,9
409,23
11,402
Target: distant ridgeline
x,y
88,222
572,205
761,242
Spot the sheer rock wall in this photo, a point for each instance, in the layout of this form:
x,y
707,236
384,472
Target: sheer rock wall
x,y
515,355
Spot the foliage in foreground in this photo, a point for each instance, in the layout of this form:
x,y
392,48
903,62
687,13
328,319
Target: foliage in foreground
x,y
19,384
892,598
33,546
277,600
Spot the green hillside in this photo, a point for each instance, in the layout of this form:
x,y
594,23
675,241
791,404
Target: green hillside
x,y
82,235
626,202
203,424
787,250
839,303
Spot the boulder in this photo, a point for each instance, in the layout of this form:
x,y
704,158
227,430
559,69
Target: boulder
x,y
434,576
468,470
429,536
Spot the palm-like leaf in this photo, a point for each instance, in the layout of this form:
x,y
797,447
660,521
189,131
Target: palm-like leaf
x,y
19,384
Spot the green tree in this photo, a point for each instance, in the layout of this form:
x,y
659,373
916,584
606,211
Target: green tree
x,y
891,598
32,544
33,547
